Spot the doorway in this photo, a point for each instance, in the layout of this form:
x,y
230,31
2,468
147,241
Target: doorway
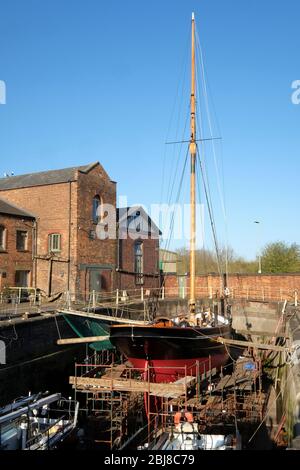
x,y
96,282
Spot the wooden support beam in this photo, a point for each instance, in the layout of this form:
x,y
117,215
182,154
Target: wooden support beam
x,y
87,339
262,333
168,390
99,316
252,344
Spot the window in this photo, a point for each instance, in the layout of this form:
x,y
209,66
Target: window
x,y
96,204
138,262
2,238
22,278
54,243
22,239
97,212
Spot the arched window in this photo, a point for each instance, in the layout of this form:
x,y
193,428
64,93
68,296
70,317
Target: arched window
x,y
97,211
96,204
138,262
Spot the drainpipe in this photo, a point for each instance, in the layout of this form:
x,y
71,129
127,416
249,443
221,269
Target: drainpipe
x,y
69,242
34,250
118,286
50,276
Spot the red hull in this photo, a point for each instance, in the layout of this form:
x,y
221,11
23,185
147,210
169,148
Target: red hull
x,y
163,370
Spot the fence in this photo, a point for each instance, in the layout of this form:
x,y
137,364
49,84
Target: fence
x,y
126,298
16,295
19,300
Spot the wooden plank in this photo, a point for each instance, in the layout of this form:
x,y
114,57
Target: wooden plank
x,y
172,390
208,374
223,382
86,339
188,380
263,333
252,344
99,316
115,372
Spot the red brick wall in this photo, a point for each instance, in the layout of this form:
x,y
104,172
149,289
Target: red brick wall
x,y
66,208
12,260
50,204
127,279
255,286
101,253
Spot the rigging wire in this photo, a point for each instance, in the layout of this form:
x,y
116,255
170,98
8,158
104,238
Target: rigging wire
x,y
208,194
171,186
201,222
205,95
181,83
221,190
211,216
168,241
202,166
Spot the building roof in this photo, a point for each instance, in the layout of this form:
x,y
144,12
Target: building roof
x,y
44,177
11,209
126,215
168,251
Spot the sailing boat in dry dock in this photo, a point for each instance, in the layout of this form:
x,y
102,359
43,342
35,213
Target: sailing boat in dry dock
x,y
172,350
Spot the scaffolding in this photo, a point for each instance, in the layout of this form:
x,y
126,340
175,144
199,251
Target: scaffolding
x,y
132,403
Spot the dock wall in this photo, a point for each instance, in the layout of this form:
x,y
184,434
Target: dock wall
x,y
34,362
271,287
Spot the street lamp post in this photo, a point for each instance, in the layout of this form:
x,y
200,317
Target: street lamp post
x,y
259,255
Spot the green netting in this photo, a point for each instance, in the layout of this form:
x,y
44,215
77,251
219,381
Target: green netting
x,y
85,327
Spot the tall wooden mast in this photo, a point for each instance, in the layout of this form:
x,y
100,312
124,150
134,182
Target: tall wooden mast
x,y
193,150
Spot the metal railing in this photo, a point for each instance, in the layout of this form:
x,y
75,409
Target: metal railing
x,y
19,300
19,294
119,298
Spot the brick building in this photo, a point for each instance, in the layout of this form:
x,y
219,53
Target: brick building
x,y
71,207
16,240
67,255
168,261
138,249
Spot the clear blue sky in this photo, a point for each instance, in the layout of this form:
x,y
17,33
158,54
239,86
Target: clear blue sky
x,y
96,80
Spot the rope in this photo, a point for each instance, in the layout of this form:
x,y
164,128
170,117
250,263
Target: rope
x,y
209,205
269,407
168,241
206,104
57,327
177,125
211,216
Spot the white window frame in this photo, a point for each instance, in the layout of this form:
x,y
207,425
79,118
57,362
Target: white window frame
x,y
54,247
